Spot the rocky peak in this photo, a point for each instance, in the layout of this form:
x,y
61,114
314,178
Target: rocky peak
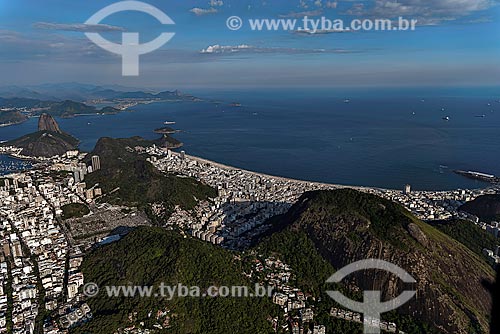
x,y
48,123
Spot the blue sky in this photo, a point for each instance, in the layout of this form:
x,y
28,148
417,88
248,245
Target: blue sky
x,y
455,44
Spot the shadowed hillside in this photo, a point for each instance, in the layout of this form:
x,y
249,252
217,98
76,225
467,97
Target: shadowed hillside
x,y
126,177
345,226
486,207
48,141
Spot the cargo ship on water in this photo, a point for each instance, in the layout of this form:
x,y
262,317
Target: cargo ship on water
x,y
478,176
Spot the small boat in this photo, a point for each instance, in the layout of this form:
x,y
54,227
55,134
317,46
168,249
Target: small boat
x,y
443,109
447,118
480,116
168,123
347,101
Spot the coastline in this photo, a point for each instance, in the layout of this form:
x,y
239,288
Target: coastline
x,y
488,186
22,165
4,125
427,205
222,166
99,113
18,156
319,184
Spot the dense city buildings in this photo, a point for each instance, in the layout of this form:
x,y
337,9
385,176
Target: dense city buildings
x,y
42,250
247,199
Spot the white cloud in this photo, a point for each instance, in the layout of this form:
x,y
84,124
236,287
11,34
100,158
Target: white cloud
x,y
302,14
357,10
331,4
203,11
225,48
244,48
80,27
427,12
9,36
216,3
481,20
321,31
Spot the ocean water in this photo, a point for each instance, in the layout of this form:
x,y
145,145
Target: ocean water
x,y
9,165
372,141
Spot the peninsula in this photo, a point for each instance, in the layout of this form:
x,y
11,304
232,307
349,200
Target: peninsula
x,y
47,142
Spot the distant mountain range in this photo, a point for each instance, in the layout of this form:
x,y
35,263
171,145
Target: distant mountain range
x,y
23,102
72,99
65,108
83,92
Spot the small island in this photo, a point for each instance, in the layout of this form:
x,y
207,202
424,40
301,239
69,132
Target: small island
x,y
166,140
166,130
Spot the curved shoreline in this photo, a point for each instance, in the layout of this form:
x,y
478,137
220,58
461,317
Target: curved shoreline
x,y
35,160
322,184
4,125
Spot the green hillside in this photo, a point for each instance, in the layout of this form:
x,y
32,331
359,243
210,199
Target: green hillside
x,y
149,256
486,207
127,178
71,108
472,236
45,143
330,229
322,232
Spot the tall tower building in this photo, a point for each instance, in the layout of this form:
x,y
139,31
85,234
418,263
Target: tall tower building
x,y
6,248
76,176
16,249
96,163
